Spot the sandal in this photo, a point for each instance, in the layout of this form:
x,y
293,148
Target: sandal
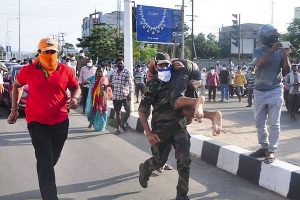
x,y
117,132
270,158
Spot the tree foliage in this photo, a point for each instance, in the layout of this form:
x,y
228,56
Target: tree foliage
x,y
293,36
102,43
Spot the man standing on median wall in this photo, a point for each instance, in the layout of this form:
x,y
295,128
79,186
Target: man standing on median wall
x,y
270,61
46,110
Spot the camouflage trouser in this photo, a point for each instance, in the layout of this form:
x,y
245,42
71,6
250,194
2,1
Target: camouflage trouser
x,y
160,151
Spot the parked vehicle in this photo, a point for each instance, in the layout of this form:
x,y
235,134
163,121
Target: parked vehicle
x,y
9,78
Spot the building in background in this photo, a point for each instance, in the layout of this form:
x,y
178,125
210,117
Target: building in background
x,y
297,12
248,41
96,19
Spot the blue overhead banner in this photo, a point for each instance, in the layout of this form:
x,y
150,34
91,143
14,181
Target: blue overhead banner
x,y
158,25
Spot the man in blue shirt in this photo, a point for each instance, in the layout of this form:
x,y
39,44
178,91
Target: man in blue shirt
x,y
271,60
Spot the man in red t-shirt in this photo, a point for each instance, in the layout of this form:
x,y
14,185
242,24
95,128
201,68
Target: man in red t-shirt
x,y
46,110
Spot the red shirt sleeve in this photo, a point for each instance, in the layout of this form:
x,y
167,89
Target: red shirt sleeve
x,y
72,81
22,76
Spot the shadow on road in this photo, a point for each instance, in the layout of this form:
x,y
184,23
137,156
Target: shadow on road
x,y
79,187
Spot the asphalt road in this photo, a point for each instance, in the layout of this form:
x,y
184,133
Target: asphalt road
x,y
102,166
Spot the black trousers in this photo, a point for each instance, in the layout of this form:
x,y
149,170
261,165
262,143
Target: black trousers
x,y
293,103
160,151
250,96
213,90
84,93
48,142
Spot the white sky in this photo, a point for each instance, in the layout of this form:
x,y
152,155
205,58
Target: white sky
x,y
40,18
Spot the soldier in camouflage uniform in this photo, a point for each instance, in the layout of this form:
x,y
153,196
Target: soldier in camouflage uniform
x,y
167,129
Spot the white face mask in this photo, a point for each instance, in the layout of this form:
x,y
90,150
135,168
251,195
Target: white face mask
x,y
81,54
164,74
89,64
68,64
212,71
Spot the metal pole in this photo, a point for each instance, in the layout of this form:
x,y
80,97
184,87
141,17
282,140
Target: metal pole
x,y
239,40
19,31
128,46
182,31
193,55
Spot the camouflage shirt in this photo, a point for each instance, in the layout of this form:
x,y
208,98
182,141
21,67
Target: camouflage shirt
x,y
165,121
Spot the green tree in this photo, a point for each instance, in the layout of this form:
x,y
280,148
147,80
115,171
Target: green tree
x,y
293,36
143,52
68,46
102,43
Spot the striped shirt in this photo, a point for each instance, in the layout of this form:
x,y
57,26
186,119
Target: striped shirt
x,y
121,85
250,80
139,78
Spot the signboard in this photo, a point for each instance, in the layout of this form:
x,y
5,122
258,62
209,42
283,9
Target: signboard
x,y
246,46
158,25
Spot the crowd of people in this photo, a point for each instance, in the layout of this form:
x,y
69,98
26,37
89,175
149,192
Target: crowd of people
x,y
172,89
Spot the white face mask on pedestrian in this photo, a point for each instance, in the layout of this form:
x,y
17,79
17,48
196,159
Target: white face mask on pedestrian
x,y
164,74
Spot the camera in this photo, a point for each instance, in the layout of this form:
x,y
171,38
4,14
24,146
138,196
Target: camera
x,y
285,44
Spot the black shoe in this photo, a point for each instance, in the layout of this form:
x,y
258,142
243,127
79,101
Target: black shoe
x,y
143,177
125,127
259,153
249,106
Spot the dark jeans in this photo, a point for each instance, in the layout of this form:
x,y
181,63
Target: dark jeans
x,y
212,89
231,90
250,96
293,103
160,151
48,142
84,93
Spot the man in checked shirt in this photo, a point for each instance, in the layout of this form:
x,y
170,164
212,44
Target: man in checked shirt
x,y
122,89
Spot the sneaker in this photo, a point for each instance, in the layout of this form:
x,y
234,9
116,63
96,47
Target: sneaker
x,y
259,153
143,177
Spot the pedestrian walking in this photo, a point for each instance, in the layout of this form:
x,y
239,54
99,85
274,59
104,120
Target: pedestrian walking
x,y
122,87
96,105
271,60
293,82
212,82
250,85
86,72
224,84
239,82
2,70
139,83
46,110
203,76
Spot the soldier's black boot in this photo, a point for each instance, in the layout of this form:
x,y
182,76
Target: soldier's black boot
x,y
144,176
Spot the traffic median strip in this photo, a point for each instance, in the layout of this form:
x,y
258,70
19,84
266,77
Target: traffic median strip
x,y
280,177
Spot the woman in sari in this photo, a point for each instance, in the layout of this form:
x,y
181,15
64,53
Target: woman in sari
x,y
96,104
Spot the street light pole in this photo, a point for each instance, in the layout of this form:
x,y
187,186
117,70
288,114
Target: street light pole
x,y
182,31
19,31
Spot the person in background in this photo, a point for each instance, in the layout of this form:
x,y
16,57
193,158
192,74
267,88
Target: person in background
x,y
110,71
250,84
293,82
239,82
96,105
85,73
122,87
46,110
224,84
81,62
2,69
139,83
271,60
203,81
212,82
73,63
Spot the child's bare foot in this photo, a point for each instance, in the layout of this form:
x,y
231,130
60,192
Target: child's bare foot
x,y
217,123
199,108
